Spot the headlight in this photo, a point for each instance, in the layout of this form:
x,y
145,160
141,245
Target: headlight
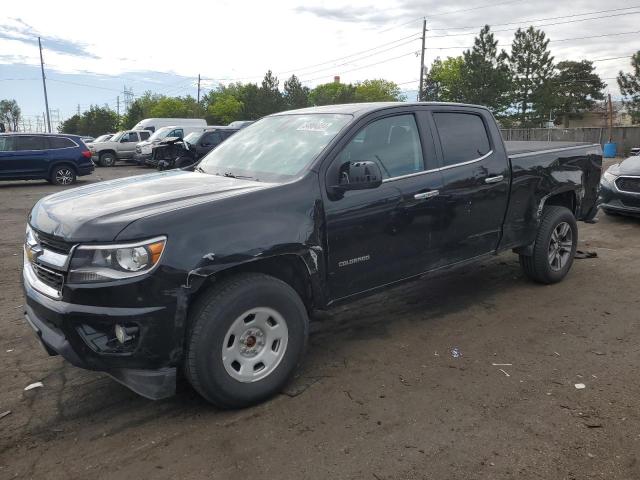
x,y
609,177
101,263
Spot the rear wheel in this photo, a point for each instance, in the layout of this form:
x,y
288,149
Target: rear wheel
x,y
554,248
247,336
63,175
107,159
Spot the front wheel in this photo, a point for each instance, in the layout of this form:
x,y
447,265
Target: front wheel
x,y
247,336
107,160
554,248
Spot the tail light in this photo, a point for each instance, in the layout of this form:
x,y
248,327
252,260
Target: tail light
x,y
86,154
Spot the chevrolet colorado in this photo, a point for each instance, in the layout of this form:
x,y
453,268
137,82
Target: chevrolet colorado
x,y
214,272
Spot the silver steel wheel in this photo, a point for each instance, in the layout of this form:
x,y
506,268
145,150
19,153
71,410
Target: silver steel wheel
x,y
255,344
64,176
560,246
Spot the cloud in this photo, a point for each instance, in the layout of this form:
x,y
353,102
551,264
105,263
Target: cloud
x,y
18,30
368,15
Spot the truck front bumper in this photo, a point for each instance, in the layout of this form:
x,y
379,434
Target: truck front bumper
x,y
84,336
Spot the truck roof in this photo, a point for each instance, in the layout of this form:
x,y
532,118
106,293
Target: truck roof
x,y
358,109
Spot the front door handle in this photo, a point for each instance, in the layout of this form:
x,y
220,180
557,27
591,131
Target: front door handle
x,y
426,195
497,179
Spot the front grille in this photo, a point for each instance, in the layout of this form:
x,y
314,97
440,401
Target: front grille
x,y
48,277
628,184
55,244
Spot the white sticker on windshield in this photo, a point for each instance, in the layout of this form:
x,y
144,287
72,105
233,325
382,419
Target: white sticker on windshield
x,y
315,126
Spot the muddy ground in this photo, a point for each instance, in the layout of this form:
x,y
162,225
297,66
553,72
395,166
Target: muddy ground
x,y
380,395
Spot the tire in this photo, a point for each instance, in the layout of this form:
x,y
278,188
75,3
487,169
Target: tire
x,y
232,331
62,175
557,222
107,159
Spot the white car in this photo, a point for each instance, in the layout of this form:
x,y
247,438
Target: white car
x,y
144,149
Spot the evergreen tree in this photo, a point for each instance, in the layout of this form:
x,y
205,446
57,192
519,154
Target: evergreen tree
x,y
531,66
485,73
269,99
295,95
576,87
629,84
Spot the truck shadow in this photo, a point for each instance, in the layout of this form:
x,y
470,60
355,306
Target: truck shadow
x,y
89,401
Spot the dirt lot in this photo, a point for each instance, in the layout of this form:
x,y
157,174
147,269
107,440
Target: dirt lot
x,y
380,395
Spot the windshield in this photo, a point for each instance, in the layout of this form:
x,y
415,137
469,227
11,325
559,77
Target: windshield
x,y
275,148
160,133
117,137
193,137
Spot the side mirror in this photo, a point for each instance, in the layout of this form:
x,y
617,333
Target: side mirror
x,y
359,176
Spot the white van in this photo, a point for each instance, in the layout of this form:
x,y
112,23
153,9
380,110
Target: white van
x,y
144,149
154,124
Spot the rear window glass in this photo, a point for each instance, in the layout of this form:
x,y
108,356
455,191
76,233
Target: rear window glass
x,y
463,137
60,142
29,142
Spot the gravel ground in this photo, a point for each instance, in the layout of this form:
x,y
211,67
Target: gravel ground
x,y
401,385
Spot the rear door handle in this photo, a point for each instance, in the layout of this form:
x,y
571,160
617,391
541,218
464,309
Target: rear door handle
x,y
497,179
426,195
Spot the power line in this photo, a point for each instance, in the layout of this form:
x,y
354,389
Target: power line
x,y
550,41
538,20
538,25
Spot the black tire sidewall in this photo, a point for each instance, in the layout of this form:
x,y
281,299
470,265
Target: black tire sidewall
x,y
213,380
104,163
556,216
54,174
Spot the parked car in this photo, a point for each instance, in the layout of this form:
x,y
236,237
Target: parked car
x,y
122,146
241,124
103,138
144,148
620,188
215,271
58,159
87,140
153,124
176,152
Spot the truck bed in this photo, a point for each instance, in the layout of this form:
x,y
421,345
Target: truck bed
x,y
524,147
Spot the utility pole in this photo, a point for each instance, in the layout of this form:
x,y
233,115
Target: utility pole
x,y
198,89
424,37
610,119
44,85
118,107
78,109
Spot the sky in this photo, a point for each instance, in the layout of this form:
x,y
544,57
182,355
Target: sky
x,y
92,53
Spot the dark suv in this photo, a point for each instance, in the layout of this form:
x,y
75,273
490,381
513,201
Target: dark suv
x,y
58,159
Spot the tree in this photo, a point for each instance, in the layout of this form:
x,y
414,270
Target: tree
x,y
444,81
140,108
485,73
10,114
629,84
378,91
269,99
332,93
576,88
295,95
224,110
176,107
94,122
531,66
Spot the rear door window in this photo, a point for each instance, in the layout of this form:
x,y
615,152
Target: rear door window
x,y
211,139
29,142
463,137
60,142
6,144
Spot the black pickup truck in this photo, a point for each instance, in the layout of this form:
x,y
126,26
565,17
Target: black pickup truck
x,y
215,272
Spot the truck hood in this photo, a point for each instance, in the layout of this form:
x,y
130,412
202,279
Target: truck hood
x,y
100,211
98,146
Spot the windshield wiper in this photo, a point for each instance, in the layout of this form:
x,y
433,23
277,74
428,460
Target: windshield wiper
x,y
232,175
199,170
